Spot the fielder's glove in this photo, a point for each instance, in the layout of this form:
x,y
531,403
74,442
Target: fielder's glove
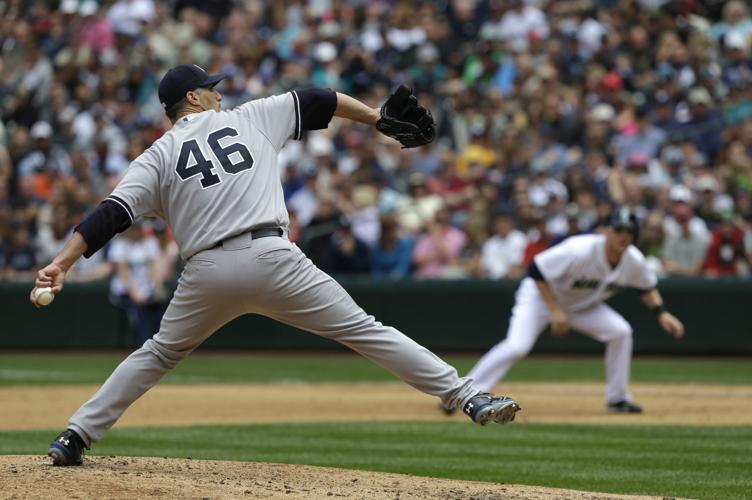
x,y
402,119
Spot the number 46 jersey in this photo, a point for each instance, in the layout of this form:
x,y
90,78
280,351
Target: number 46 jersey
x,y
214,174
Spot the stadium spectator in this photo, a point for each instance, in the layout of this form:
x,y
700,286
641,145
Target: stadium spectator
x,y
137,284
502,253
650,242
686,236
438,249
391,257
347,254
538,237
538,104
726,255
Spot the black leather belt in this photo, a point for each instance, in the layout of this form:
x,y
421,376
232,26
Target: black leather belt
x,y
255,234
265,232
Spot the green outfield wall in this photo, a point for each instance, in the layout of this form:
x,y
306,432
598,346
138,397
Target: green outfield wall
x,y
442,315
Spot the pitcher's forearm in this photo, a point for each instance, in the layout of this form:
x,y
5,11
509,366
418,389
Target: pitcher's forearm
x,y
353,109
71,252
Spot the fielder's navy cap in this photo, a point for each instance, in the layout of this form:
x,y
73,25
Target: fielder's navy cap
x,y
181,79
624,218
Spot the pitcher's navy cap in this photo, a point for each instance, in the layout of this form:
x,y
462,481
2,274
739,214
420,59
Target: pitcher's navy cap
x,y
181,79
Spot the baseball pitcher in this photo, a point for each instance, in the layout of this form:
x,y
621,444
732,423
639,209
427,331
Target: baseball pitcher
x,y
213,178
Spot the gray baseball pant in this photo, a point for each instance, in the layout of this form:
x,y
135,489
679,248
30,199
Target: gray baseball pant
x,y
272,277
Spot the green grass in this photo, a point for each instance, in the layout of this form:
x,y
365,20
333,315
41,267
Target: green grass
x,y
45,369
629,459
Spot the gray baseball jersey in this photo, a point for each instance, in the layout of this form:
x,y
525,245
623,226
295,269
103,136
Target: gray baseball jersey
x,y
213,178
214,174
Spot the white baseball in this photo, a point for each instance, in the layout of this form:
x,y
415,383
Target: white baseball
x,y
44,296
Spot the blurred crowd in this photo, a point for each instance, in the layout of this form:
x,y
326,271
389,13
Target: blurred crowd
x,y
549,114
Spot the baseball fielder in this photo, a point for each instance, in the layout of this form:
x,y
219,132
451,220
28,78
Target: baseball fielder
x,y
213,178
566,287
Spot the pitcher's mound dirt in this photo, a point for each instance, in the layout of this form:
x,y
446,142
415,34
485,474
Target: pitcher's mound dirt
x,y
134,477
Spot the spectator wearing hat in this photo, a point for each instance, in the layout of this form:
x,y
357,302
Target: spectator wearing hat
x,y
96,30
416,210
544,187
705,126
686,236
428,70
572,221
45,162
347,254
726,256
711,201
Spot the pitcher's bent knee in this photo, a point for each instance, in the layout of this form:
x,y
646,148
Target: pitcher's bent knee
x,y
168,357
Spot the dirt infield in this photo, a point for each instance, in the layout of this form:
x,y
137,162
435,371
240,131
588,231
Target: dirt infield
x,y
124,477
226,404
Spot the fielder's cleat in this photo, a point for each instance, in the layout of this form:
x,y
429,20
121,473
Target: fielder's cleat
x,y
485,407
624,407
67,449
445,409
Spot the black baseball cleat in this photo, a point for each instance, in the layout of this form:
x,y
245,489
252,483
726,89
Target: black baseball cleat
x,y
484,407
624,407
67,449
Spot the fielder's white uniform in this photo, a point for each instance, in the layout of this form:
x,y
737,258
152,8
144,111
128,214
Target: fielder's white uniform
x,y
580,278
213,177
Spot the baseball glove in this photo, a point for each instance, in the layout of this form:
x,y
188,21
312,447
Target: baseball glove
x,y
402,119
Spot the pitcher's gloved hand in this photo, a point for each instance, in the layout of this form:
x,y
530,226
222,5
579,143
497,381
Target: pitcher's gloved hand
x,y
402,119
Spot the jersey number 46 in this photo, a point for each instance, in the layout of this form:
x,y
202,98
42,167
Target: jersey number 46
x,y
242,160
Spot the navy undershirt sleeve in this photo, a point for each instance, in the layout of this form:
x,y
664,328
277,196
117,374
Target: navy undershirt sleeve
x,y
108,219
316,108
534,272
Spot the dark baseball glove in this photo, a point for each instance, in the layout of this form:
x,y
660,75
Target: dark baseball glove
x,y
402,119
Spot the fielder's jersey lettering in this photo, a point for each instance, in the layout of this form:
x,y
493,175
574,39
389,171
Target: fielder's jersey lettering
x,y
586,283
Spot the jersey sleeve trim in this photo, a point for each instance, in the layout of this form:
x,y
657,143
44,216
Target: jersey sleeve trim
x,y
123,204
298,133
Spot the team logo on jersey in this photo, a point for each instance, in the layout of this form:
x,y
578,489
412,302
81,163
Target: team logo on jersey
x,y
586,283
614,287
